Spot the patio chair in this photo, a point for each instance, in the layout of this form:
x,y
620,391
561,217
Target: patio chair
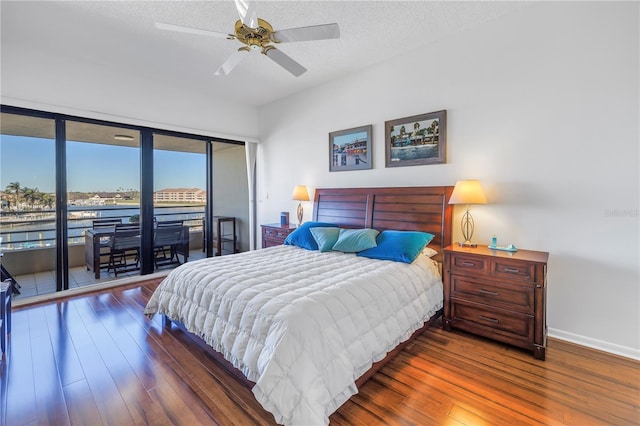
x,y
124,254
168,238
105,241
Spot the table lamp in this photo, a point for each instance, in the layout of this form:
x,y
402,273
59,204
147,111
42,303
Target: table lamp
x,y
301,194
467,192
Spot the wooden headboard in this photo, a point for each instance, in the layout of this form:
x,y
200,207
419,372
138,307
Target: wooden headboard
x,y
420,208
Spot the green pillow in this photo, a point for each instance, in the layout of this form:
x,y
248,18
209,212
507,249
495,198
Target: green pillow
x,y
325,237
302,237
355,240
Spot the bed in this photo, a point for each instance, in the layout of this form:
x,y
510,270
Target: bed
x,y
303,328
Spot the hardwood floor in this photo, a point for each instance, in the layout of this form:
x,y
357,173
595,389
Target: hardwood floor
x,y
95,359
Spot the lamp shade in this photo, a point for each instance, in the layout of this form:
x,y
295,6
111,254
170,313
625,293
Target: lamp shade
x,y
300,193
467,192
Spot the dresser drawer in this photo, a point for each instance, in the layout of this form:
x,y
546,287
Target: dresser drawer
x,y
513,269
461,264
507,296
492,322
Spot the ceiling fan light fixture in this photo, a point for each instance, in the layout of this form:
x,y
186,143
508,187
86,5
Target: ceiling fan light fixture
x,y
254,44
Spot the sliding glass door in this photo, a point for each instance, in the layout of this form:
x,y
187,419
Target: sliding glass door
x,y
69,184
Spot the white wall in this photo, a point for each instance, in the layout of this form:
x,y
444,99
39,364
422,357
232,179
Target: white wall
x,y
543,108
41,80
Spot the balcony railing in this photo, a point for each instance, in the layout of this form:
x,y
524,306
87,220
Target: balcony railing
x,y
28,242
36,229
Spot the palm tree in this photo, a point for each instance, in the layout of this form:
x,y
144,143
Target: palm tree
x,y
435,126
430,132
13,190
48,200
38,198
29,195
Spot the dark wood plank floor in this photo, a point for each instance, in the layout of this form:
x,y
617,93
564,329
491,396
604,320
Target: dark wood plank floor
x,y
95,359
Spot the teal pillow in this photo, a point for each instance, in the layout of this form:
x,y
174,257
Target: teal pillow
x,y
399,246
325,237
355,240
302,237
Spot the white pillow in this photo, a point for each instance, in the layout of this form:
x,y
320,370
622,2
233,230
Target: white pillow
x,y
429,252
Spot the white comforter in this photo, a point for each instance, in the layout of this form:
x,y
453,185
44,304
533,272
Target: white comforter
x,y
302,325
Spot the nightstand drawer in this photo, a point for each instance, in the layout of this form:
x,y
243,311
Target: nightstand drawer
x,y
513,269
492,321
503,295
461,264
275,233
270,242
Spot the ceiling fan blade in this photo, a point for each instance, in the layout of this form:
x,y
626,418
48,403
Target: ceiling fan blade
x,y
231,62
315,32
247,12
189,30
285,61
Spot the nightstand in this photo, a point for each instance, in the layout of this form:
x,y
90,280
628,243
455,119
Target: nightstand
x,y
274,235
497,294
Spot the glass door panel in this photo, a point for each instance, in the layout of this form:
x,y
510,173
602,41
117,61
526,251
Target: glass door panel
x,y
103,182
27,210
231,194
179,199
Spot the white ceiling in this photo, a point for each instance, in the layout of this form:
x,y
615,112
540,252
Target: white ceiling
x,y
120,36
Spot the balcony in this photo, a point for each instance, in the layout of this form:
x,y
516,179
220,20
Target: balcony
x,y
29,250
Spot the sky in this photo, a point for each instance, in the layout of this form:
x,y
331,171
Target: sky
x,y
94,167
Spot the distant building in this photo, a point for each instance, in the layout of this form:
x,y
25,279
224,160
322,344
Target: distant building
x,y
183,195
103,198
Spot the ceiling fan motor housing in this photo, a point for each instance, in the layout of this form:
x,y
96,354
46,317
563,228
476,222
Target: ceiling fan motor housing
x,y
254,38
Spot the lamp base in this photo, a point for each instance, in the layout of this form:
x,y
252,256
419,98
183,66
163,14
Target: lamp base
x,y
467,244
300,213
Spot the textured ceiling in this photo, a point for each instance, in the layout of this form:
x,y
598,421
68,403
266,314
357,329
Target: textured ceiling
x,y
120,36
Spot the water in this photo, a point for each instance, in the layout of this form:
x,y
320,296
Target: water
x,y
414,152
38,229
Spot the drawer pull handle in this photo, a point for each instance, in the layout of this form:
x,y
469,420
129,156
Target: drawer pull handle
x,y
512,270
493,320
468,264
492,293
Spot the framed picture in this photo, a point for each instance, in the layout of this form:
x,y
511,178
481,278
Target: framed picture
x,y
417,140
350,149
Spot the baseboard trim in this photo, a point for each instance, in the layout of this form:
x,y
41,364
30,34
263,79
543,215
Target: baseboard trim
x,y
85,289
601,345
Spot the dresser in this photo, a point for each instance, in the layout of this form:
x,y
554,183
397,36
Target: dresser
x,y
497,294
274,235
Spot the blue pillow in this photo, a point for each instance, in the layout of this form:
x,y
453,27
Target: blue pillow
x,y
355,240
302,237
399,246
325,237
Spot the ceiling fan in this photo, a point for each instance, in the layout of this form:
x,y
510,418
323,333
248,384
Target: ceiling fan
x,y
258,35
